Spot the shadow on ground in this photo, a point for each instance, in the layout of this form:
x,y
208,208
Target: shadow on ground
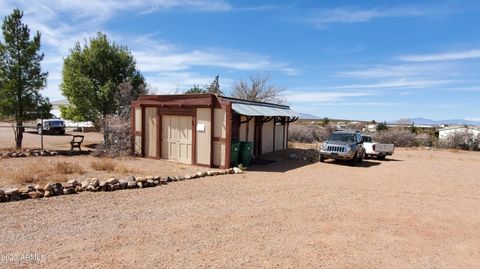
x,y
279,161
73,153
364,164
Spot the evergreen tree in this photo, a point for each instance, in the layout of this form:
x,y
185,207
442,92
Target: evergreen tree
x,y
21,77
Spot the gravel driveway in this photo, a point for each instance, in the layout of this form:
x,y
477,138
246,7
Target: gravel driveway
x,y
420,210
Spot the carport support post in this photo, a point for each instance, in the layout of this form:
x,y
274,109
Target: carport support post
x,y
41,128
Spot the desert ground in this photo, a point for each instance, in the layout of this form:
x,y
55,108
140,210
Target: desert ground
x,y
417,209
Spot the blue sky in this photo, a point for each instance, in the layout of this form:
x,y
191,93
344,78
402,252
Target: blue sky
x,y
381,60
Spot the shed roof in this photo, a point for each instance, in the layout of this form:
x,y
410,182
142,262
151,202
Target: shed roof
x,y
262,110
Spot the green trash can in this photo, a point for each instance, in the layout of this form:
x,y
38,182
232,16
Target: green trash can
x,y
246,153
235,148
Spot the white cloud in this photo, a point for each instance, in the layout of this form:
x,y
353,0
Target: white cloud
x,y
321,18
172,82
444,56
105,9
399,71
166,66
397,84
174,60
322,96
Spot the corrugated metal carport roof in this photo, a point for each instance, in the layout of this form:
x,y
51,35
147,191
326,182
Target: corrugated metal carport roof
x,y
259,110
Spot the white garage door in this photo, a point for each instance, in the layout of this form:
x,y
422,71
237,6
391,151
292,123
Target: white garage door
x,y
177,138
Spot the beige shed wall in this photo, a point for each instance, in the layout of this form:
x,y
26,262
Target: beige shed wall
x,y
138,128
203,137
219,153
286,135
243,129
138,119
220,131
279,137
151,132
267,137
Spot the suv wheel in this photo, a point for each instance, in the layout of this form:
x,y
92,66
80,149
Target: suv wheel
x,y
360,160
354,160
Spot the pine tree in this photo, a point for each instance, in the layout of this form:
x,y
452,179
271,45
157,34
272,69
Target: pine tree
x,y
21,77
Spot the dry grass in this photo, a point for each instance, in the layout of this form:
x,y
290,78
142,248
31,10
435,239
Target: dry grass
x,y
103,164
39,172
65,168
124,169
33,173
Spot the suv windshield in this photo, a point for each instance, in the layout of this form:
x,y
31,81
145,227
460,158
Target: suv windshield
x,y
342,137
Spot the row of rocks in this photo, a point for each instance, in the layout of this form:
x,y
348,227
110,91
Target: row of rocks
x,y
95,185
29,153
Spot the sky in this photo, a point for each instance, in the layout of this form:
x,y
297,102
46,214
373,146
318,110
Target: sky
x,y
364,60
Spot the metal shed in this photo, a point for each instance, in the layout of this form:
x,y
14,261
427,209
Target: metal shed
x,y
199,129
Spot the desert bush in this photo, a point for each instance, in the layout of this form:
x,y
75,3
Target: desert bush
x,y
119,137
423,140
461,140
402,138
103,164
309,133
68,168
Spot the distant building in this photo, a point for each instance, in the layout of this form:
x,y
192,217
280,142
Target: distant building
x,y
56,106
68,123
371,128
448,131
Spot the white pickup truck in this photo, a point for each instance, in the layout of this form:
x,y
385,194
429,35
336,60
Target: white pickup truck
x,y
373,149
52,125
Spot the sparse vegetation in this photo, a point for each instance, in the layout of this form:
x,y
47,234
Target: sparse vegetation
x,y
382,126
103,164
40,173
309,133
118,143
402,138
65,168
461,140
325,121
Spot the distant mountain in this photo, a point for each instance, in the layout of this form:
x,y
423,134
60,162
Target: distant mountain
x,y
439,122
306,116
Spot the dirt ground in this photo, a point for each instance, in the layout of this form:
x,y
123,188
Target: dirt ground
x,y
418,209
51,142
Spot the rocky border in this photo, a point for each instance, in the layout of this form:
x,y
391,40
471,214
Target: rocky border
x,y
95,185
29,153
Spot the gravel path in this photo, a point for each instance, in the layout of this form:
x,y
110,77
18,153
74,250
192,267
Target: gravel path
x,y
420,210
